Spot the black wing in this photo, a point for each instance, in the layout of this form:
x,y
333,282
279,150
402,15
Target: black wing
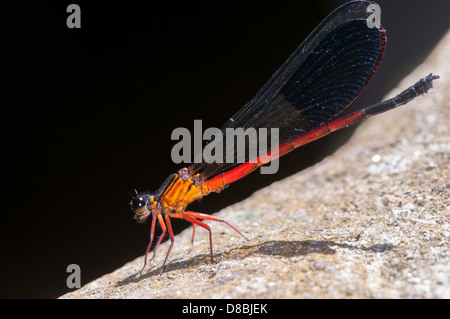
x,y
320,79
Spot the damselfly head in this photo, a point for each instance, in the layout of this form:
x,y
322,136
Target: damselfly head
x,y
140,206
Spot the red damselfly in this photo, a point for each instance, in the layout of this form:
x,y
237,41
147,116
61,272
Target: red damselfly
x,y
302,100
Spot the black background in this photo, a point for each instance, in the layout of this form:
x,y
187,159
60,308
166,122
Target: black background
x,y
87,114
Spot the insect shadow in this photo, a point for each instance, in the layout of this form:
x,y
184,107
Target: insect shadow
x,y
280,248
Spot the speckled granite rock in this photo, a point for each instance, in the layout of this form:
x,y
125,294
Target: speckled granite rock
x,y
372,221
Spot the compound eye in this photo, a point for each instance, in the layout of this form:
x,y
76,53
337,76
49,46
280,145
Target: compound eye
x,y
140,209
138,203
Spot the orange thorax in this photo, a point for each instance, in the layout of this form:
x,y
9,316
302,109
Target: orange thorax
x,y
179,191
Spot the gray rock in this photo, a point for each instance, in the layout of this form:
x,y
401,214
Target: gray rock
x,y
370,221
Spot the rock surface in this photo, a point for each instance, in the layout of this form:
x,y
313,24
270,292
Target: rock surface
x,y
372,221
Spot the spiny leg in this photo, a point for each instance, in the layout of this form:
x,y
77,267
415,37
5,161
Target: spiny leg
x,y
180,215
216,219
193,234
152,232
192,217
169,227
195,221
163,227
